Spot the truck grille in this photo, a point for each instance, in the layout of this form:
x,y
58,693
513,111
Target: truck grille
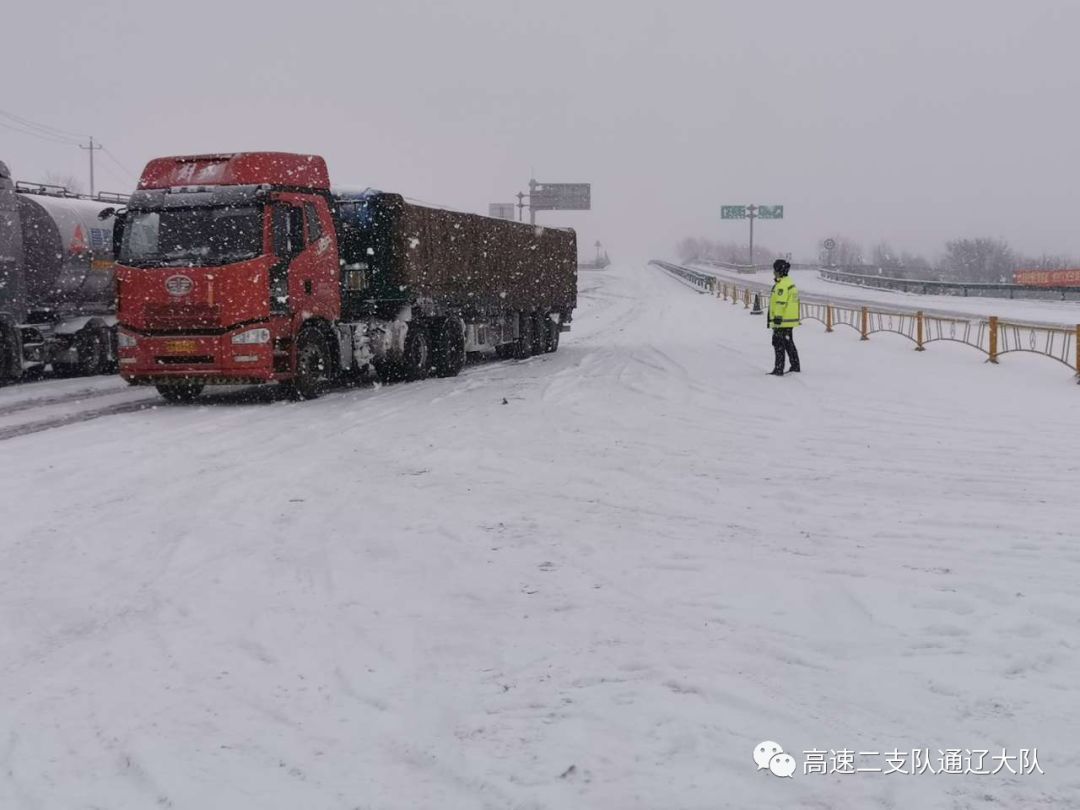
x,y
181,316
181,360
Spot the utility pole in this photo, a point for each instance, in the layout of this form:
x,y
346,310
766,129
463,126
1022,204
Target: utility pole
x,y
91,149
751,212
532,211
521,205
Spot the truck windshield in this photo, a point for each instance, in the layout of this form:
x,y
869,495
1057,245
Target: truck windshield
x,y
192,236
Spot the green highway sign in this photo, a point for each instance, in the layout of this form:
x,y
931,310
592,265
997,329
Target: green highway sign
x,y
770,212
732,212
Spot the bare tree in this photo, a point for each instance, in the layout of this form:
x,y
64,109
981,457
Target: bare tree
x,y
844,253
981,259
899,264
694,248
1048,262
68,181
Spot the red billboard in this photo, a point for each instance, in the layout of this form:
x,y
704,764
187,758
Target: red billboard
x,y
1047,278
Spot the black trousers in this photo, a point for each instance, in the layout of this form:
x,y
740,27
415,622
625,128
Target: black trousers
x,y
783,341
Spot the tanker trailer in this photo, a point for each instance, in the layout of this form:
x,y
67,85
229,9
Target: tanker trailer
x,y
62,286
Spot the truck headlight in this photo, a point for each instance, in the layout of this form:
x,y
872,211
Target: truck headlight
x,y
252,336
124,340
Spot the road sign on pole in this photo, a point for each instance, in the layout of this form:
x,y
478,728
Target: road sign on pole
x,y
561,197
751,212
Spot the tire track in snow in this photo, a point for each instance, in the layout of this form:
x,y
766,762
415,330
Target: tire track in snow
x,y
75,418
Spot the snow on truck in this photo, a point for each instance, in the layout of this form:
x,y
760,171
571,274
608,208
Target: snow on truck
x,y
248,268
57,285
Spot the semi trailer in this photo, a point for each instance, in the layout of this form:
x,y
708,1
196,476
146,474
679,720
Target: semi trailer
x,y
57,281
250,268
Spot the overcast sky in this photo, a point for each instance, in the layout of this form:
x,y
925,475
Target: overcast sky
x,y
912,121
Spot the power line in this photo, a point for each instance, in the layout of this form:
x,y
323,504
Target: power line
x,y
39,126
112,157
41,135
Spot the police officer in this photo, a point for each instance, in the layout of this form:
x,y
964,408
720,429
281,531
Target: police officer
x,y
783,317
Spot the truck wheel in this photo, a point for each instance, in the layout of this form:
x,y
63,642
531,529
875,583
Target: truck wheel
x,y
8,356
180,392
312,368
449,347
553,332
523,347
540,335
416,361
92,351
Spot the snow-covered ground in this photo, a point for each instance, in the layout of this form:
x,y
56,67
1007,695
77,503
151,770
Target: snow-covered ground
x,y
814,287
594,579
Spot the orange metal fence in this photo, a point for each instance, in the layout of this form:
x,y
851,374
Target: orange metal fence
x,y
990,335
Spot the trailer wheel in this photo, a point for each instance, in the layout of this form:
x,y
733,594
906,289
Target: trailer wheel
x,y
448,347
553,332
416,362
312,368
180,392
540,335
9,359
523,349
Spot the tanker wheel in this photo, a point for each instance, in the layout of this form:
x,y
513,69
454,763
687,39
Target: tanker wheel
x,y
448,347
524,347
553,332
92,350
416,362
312,368
185,391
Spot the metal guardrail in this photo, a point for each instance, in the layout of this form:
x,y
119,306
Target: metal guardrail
x,y
990,335
702,281
927,287
752,268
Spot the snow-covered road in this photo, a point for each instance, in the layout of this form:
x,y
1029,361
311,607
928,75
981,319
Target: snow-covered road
x,y
594,579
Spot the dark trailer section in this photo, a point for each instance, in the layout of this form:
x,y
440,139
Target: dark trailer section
x,y
394,253
57,280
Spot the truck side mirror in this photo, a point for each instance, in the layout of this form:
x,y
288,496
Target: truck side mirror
x,y
288,230
119,224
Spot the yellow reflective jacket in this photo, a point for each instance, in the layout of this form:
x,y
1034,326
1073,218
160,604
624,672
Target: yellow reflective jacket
x,y
784,304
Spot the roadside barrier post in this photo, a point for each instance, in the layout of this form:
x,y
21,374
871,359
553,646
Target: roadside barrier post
x,y
993,339
919,337
747,299
734,295
1076,340
865,324
828,317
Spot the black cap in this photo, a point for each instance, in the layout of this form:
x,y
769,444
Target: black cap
x,y
781,266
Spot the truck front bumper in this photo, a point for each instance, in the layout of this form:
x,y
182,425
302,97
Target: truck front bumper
x,y
207,358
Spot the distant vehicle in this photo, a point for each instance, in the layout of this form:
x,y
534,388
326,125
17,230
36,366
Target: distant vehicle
x,y
57,281
247,268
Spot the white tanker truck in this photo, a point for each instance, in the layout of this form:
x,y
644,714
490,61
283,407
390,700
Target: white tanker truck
x,y
57,281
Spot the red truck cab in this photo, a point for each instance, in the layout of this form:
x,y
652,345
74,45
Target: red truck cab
x,y
222,260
